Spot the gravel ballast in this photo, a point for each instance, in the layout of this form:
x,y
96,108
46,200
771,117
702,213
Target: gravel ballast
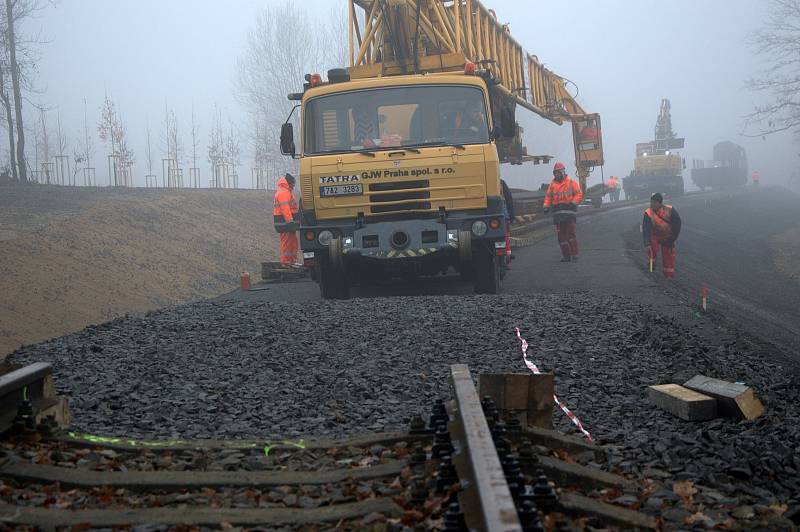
x,y
279,370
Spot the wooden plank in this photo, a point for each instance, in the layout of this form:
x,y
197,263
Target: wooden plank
x,y
49,519
629,519
177,480
734,400
566,474
556,440
125,444
492,385
540,401
682,402
515,391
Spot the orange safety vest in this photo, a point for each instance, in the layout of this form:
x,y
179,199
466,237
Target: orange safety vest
x,y
612,182
284,208
563,193
660,220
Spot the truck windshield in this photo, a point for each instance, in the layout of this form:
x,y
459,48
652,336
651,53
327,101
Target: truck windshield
x,y
431,115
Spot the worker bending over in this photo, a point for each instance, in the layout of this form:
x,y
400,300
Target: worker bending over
x,y
660,228
563,197
284,214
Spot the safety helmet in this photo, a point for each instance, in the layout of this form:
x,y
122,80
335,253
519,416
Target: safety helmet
x,y
657,197
559,166
290,179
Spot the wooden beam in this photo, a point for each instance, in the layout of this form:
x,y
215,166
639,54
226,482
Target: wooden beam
x,y
351,25
468,18
457,13
683,402
734,400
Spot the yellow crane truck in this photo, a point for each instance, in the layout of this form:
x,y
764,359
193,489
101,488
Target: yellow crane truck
x,y
400,153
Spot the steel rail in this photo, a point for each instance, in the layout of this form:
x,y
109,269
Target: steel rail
x,y
495,505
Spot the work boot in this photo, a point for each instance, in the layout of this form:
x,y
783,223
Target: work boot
x,y
566,259
574,258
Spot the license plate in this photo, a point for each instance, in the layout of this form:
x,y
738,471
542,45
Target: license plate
x,y
341,190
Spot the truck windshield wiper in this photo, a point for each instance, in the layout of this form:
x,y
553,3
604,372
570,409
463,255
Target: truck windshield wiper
x,y
433,143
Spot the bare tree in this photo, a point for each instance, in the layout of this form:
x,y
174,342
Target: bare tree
x,y
216,148
194,171
233,153
779,43
281,49
150,178
9,118
43,148
111,129
19,56
173,149
83,153
62,144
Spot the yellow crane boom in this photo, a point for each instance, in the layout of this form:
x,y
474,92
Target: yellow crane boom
x,y
396,37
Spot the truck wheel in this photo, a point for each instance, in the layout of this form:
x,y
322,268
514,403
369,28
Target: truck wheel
x,y
487,272
333,284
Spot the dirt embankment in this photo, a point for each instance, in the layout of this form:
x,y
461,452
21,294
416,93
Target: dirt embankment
x,y
786,250
70,257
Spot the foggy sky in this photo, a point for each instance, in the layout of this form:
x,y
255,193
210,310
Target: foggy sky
x,y
624,55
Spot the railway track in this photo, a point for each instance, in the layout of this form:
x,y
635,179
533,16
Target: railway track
x,y
463,468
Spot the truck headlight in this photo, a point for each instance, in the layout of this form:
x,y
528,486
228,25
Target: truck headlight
x,y
325,237
479,228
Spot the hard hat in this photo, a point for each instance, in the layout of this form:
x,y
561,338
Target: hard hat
x,y
657,197
559,166
290,179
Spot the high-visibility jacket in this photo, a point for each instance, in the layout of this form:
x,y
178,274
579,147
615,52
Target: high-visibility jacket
x,y
563,197
756,177
663,223
284,208
612,182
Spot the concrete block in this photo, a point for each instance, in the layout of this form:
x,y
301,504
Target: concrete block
x,y
734,400
683,402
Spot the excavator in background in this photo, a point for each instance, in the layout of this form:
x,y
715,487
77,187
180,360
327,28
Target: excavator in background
x,y
401,151
657,167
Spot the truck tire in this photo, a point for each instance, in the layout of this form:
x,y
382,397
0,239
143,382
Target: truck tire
x,y
486,271
333,284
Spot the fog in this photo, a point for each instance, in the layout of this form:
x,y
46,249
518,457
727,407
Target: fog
x,y
624,56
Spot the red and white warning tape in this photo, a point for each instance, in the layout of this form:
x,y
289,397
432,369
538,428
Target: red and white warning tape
x,y
562,406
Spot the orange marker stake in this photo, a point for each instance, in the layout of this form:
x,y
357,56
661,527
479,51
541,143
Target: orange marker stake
x,y
704,295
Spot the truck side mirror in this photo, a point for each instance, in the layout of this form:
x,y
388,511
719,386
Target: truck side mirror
x,y
287,139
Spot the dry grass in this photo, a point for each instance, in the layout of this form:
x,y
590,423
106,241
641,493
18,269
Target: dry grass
x,y
70,257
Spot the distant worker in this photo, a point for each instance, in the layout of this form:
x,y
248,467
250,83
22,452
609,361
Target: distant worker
x,y
469,121
588,133
284,214
756,178
613,184
660,228
563,197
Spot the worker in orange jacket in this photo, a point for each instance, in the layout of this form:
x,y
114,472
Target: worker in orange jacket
x,y
562,198
660,229
613,185
284,214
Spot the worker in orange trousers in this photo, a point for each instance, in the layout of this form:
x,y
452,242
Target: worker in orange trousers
x,y
284,214
562,198
660,229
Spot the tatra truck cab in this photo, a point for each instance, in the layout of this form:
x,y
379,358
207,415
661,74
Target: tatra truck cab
x,y
399,178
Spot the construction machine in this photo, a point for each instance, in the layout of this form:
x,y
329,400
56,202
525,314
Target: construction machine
x,y
657,167
400,152
728,169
